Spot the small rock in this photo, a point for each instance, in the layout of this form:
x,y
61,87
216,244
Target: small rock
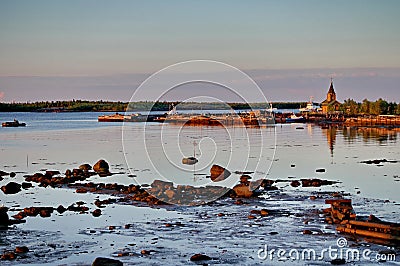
x,y
68,173
61,209
320,170
251,217
8,256
21,249
85,167
96,213
52,173
145,252
220,214
239,202
106,262
26,185
2,173
4,219
11,188
295,183
12,174
313,197
307,232
81,190
111,227
244,179
199,257
338,261
264,212
45,212
255,212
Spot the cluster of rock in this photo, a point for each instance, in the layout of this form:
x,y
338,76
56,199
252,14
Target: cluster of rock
x,y
12,255
340,210
311,182
53,178
185,194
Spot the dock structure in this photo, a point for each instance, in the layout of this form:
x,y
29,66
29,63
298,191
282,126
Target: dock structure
x,y
374,121
341,213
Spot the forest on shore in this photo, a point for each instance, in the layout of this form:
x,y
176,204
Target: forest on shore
x,y
107,106
349,107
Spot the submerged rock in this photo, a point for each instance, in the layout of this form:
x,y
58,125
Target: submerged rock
x,y
199,257
106,262
218,173
4,219
8,255
21,249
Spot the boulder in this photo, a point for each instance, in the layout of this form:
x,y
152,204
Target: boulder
x,y
101,168
218,173
162,185
2,173
106,262
242,191
11,188
85,167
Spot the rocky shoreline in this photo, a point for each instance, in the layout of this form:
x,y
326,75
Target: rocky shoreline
x,y
246,195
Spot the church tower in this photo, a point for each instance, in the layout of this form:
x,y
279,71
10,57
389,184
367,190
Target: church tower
x,y
330,104
331,95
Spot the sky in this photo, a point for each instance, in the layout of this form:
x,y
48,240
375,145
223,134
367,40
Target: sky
x,y
98,49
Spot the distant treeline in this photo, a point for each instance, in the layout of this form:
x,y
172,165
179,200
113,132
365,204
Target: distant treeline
x,y
107,106
378,107
349,107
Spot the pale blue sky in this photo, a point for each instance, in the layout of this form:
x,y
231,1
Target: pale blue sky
x,y
109,38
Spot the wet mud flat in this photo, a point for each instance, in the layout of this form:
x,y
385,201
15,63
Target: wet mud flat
x,y
137,231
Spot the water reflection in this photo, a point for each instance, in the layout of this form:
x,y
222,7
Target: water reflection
x,y
330,133
379,135
368,135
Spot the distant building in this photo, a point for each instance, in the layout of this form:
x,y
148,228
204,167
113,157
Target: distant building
x,y
330,104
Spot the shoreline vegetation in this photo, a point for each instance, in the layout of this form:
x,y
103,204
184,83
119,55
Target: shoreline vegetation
x,y
348,107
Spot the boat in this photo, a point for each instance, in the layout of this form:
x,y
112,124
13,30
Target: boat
x,y
14,123
126,118
311,107
111,118
295,119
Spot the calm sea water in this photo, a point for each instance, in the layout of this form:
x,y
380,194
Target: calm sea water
x,y
151,151
63,140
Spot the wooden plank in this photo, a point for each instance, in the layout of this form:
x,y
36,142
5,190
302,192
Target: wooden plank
x,y
374,225
368,233
330,201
